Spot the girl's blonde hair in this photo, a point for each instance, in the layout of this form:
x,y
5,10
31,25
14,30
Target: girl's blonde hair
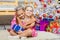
x,y
28,6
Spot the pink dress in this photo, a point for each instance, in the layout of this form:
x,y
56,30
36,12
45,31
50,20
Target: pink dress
x,y
13,21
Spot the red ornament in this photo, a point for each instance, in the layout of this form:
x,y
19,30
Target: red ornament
x,y
44,15
41,0
58,11
50,16
44,5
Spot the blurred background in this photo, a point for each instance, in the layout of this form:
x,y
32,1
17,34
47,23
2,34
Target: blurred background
x,y
7,9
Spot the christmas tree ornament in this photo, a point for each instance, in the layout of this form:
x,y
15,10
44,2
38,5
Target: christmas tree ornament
x,y
50,16
35,5
58,11
25,2
41,0
44,5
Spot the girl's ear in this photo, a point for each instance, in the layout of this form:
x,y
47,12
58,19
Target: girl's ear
x,y
16,14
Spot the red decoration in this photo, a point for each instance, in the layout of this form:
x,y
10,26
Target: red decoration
x,y
44,5
54,25
41,0
50,16
44,15
58,11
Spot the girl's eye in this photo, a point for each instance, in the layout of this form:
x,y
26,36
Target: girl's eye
x,y
21,13
18,15
27,10
30,10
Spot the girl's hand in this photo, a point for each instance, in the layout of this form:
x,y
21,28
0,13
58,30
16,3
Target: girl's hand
x,y
31,25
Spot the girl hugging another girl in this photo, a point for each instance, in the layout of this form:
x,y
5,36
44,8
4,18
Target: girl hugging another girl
x,y
25,22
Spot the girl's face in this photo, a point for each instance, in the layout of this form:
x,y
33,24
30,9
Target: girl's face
x,y
29,11
21,13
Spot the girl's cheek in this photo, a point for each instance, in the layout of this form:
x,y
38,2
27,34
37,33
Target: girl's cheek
x,y
31,12
25,12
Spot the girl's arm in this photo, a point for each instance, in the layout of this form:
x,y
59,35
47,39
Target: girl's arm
x,y
31,25
19,21
31,21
